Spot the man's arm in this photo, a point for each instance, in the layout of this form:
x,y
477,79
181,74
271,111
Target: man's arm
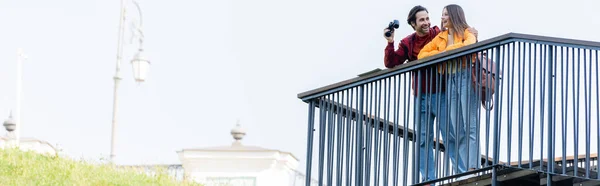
x,y
474,32
393,58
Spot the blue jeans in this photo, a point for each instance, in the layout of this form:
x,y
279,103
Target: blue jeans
x,y
464,104
429,112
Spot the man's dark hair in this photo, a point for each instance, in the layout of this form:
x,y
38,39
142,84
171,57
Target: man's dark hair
x,y
412,15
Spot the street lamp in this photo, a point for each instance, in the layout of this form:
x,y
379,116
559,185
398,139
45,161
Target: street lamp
x,y
139,62
140,67
17,122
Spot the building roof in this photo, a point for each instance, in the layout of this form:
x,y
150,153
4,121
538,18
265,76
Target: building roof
x,y
238,134
4,138
23,141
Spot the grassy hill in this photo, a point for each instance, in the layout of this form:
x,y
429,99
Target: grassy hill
x,y
29,168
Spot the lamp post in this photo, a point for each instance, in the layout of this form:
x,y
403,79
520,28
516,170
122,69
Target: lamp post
x,y
17,127
140,68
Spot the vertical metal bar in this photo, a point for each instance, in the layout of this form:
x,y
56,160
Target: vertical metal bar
x,y
309,143
356,149
330,138
494,174
375,134
437,128
448,121
511,89
565,90
521,93
576,112
467,120
554,94
504,49
352,152
408,79
501,104
428,76
490,53
597,115
486,104
495,55
477,91
377,131
454,67
359,136
542,103
497,115
322,120
496,118
550,80
349,136
477,95
587,113
386,142
369,133
416,128
339,137
384,132
477,67
396,115
532,109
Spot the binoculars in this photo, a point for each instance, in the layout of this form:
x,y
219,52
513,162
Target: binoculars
x,y
392,26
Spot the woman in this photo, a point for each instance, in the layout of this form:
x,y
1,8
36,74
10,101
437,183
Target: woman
x,y
463,102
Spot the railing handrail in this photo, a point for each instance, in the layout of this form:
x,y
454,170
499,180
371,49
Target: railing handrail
x,y
485,44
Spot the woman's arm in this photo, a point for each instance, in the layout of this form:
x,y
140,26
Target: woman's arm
x,y
468,39
430,49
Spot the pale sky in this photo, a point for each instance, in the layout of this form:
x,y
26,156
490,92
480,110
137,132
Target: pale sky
x,y
214,62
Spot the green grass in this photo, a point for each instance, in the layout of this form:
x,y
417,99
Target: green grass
x,y
28,168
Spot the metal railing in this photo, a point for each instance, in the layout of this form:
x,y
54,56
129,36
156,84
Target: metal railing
x,y
363,131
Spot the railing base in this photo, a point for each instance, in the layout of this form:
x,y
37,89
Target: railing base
x,y
513,176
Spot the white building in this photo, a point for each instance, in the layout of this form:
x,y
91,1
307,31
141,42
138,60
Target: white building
x,y
234,165
25,144
28,144
240,165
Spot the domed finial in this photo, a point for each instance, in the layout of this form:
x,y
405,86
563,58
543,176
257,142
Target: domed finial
x,y
9,123
238,132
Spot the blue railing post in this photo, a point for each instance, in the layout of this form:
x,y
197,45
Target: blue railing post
x,y
359,136
417,123
322,122
407,80
551,90
496,117
350,138
309,143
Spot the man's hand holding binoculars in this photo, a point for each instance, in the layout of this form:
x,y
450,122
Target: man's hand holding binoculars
x,y
388,33
390,39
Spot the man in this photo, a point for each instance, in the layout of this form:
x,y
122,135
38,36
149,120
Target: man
x,y
408,50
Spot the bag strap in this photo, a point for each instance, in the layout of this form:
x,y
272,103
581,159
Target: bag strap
x,y
479,60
